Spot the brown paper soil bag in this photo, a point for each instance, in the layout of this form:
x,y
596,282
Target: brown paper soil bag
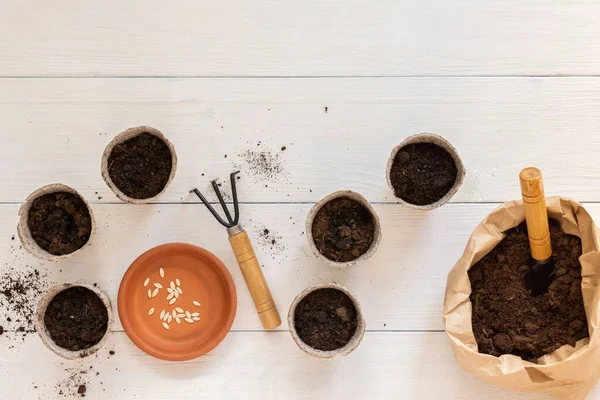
x,y
567,373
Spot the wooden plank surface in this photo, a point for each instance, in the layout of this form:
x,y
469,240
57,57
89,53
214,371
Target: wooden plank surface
x,y
56,130
290,38
255,365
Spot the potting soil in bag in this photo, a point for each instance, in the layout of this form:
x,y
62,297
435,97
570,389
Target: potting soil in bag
x,y
566,373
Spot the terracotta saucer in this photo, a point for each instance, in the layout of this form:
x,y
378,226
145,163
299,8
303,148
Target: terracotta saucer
x,y
203,287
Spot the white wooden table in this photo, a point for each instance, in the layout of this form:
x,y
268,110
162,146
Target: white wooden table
x,y
509,83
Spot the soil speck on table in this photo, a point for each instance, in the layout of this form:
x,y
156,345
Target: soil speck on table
x,y
507,319
20,291
60,222
76,318
82,389
422,173
262,165
140,167
343,229
326,319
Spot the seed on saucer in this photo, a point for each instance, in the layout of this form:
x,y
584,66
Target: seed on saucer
x,y
174,313
172,284
188,314
196,318
169,319
179,309
165,325
146,282
180,315
179,290
166,317
172,301
176,293
161,272
151,311
158,285
162,314
178,320
155,292
197,304
189,320
149,293
196,314
169,297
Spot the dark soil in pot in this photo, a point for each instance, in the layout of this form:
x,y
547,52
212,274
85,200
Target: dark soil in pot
x,y
326,319
60,222
507,319
140,167
343,229
422,173
76,318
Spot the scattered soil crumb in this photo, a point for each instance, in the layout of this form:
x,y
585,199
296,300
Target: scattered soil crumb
x,y
271,242
326,109
507,319
76,318
140,167
82,389
326,319
60,222
262,165
1,330
343,229
20,291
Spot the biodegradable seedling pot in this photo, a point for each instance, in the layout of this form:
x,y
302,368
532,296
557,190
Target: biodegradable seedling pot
x,y
311,217
24,233
343,351
41,329
443,143
123,137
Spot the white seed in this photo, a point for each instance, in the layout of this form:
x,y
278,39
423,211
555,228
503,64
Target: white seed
x,y
196,318
151,311
176,293
180,290
188,314
172,284
169,319
174,313
149,293
180,315
146,282
195,314
189,320
158,285
197,304
161,272
166,317
172,302
169,297
179,309
155,292
177,320
162,314
177,282
166,326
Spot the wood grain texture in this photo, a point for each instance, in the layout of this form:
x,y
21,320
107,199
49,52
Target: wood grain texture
x,y
56,130
254,365
289,38
255,280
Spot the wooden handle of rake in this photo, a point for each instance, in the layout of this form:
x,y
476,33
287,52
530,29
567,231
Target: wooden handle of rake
x,y
534,201
255,280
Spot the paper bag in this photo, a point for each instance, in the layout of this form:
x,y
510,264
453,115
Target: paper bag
x,y
567,373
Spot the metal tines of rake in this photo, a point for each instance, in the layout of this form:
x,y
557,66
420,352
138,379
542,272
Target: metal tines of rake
x,y
231,222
